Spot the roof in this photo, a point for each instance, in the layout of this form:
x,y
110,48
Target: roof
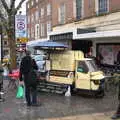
x,y
49,44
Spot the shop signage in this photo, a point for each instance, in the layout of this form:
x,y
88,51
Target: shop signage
x,y
82,31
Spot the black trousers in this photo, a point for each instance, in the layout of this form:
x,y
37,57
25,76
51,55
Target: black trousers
x,y
30,91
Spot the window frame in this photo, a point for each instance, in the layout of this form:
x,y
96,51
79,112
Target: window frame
x,y
97,3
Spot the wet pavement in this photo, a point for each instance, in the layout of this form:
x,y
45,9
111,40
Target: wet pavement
x,y
58,107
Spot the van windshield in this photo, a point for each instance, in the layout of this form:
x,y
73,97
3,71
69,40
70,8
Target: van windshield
x,y
91,65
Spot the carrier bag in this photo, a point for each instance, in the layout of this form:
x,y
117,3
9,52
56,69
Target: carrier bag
x,y
20,92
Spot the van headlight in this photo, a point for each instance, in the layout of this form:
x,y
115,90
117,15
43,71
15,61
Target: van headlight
x,y
96,82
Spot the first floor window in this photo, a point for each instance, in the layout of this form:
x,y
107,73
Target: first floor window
x,y
42,29
102,6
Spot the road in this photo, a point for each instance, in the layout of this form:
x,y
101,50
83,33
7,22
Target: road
x,y
58,107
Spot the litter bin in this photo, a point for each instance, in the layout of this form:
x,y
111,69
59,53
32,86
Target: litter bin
x,y
1,84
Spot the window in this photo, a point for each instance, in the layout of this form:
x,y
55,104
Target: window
x,y
28,6
37,15
48,9
48,27
62,14
32,32
28,19
82,67
42,30
5,43
32,18
28,35
79,8
32,3
42,12
102,6
37,31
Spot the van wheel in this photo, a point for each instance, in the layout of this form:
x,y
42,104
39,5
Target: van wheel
x,y
101,94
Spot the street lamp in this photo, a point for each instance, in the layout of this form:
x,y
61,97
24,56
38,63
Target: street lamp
x,y
1,44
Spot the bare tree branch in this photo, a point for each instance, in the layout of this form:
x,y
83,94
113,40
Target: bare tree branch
x,y
19,6
12,4
5,6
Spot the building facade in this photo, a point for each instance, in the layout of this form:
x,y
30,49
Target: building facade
x,y
85,25
94,24
39,18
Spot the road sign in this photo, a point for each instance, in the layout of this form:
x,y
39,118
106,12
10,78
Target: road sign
x,y
20,25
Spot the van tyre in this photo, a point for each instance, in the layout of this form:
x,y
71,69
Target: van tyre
x,y
100,94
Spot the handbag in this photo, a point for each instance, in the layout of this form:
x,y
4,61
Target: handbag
x,y
20,92
32,77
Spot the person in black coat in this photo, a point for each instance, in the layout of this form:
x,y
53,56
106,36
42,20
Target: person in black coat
x,y
27,65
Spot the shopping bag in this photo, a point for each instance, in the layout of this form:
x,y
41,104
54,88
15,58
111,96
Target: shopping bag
x,y
20,92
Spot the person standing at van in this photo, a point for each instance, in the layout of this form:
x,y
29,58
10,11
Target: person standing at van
x,y
26,66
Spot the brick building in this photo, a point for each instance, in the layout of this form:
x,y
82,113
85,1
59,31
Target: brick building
x,y
90,23
39,18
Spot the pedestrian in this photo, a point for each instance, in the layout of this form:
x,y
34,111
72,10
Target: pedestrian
x,y
6,72
117,114
1,82
28,68
118,58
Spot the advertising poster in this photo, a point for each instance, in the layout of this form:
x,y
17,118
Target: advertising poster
x,y
108,54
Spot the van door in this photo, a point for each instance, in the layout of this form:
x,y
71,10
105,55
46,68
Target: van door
x,y
82,76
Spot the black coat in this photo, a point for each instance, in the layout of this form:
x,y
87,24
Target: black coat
x,y
26,65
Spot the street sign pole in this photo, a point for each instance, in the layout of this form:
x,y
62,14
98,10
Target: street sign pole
x,y
1,46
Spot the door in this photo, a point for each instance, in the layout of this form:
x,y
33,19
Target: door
x,y
82,76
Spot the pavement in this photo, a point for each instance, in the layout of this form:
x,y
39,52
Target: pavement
x,y
57,107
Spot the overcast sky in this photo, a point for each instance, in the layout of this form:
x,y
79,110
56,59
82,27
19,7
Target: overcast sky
x,y
23,9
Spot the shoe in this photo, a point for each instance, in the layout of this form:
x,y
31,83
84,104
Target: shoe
x,y
2,99
36,104
115,116
28,104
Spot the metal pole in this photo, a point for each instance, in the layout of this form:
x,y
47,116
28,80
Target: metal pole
x,y
1,44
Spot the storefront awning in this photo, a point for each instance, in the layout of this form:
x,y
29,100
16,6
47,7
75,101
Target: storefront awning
x,y
49,44
31,43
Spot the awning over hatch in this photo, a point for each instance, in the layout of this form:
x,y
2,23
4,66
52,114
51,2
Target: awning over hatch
x,y
48,44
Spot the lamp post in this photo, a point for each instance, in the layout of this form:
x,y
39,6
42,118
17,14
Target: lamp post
x,y
1,44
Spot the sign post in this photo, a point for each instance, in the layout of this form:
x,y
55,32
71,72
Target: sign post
x,y
21,31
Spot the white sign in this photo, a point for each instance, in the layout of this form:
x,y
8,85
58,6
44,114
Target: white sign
x,y
20,26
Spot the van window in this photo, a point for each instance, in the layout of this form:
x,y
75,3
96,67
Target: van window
x,y
82,67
